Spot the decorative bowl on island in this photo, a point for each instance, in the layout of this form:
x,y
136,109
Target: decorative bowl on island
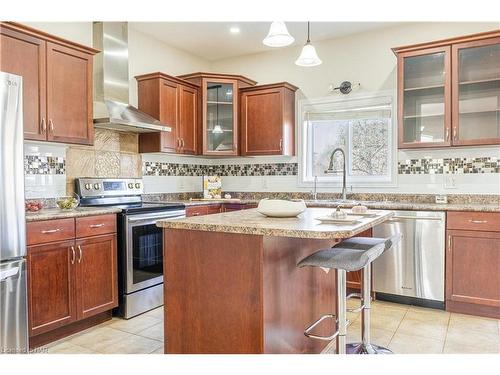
x,y
69,202
281,207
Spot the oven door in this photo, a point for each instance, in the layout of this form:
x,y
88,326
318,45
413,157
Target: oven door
x,y
144,249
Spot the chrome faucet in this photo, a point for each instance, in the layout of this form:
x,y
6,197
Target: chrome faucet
x,y
331,170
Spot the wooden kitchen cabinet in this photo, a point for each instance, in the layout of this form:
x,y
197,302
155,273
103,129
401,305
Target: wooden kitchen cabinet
x,y
96,275
173,102
57,83
24,55
208,209
218,123
355,278
267,115
51,286
72,280
449,92
472,263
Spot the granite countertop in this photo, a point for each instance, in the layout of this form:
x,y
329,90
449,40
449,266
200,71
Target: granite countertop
x,y
251,222
56,213
380,205
409,206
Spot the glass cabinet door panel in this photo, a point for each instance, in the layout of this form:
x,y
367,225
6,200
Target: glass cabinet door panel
x,y
220,116
424,71
424,98
479,92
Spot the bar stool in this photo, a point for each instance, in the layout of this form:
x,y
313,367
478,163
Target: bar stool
x,y
349,255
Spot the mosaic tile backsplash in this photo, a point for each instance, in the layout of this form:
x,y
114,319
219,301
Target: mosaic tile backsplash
x,y
34,164
175,169
449,166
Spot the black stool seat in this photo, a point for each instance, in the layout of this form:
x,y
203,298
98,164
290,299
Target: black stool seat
x,y
352,254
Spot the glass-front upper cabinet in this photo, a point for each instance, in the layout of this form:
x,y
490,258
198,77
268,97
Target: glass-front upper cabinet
x,y
424,98
220,128
476,92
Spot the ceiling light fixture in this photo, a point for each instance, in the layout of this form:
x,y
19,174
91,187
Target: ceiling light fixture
x,y
308,56
234,30
278,35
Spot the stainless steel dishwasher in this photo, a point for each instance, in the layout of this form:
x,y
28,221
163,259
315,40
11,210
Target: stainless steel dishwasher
x,y
412,271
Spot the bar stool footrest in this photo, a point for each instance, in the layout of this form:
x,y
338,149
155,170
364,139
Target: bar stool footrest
x,y
360,348
307,331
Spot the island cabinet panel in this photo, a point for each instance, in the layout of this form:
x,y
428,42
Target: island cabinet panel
x,y
57,83
267,119
174,103
96,275
472,264
51,286
238,293
295,297
214,297
24,55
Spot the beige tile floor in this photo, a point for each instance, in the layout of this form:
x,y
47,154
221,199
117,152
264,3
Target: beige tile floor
x,y
401,328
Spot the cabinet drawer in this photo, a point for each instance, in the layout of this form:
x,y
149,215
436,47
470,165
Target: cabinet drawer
x,y
95,225
196,211
214,209
485,221
39,232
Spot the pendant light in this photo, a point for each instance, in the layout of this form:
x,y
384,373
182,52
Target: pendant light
x,y
278,35
217,128
308,56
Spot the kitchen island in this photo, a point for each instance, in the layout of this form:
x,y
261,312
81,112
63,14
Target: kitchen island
x,y
232,285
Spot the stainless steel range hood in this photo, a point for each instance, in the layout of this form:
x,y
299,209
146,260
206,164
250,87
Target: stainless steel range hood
x,y
111,83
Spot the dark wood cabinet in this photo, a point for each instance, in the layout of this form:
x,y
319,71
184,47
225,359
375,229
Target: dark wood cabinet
x,y
57,83
267,115
24,55
208,209
173,102
96,274
51,286
69,95
218,124
71,280
448,92
472,263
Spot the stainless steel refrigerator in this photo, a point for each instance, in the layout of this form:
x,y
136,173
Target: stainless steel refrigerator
x,y
13,300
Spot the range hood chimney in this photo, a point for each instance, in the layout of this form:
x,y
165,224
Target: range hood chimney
x,y
111,83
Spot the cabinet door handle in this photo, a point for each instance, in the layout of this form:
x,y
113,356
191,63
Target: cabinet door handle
x,y
178,143
447,134
96,225
281,144
49,231
51,126
449,242
73,255
43,126
478,221
196,214
455,133
182,140
80,254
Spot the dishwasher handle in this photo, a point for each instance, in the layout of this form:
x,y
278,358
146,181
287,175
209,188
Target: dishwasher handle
x,y
400,217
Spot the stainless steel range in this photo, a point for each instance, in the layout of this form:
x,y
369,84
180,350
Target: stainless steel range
x,y
140,241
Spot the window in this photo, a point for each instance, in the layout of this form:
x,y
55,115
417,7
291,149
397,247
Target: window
x,y
362,128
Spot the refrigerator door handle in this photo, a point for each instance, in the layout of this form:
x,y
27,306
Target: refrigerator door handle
x,y
8,273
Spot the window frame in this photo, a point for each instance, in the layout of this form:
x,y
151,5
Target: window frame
x,y
354,181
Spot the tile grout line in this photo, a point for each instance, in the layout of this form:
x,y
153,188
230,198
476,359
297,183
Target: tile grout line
x,y
399,325
446,336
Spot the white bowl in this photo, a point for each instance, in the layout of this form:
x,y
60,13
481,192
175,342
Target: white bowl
x,y
281,208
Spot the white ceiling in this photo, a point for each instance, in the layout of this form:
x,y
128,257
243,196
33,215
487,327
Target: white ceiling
x,y
213,41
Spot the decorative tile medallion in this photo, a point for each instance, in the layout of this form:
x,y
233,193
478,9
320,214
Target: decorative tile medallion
x,y
449,166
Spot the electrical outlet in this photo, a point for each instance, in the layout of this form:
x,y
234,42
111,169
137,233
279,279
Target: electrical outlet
x,y
180,185
449,182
